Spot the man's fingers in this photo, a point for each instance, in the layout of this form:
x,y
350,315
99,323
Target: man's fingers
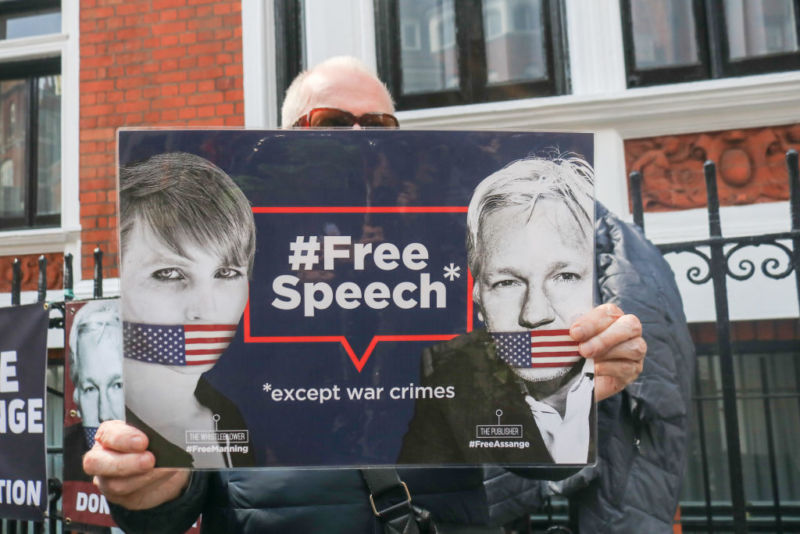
x,y
100,461
623,329
624,371
118,436
595,321
630,349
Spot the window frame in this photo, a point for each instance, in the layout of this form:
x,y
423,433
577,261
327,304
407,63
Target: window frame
x,y
15,7
471,58
31,71
712,50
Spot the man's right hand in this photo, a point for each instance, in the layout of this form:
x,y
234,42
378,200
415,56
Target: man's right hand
x,y
124,471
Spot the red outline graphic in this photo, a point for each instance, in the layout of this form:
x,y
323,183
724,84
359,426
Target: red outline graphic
x,y
359,363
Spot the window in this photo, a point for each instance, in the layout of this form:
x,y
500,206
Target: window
x,y
682,40
470,51
30,119
26,18
30,144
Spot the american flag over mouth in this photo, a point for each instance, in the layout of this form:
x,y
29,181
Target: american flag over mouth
x,y
537,348
191,344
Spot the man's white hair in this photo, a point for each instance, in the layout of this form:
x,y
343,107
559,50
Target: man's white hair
x,y
299,99
521,184
108,310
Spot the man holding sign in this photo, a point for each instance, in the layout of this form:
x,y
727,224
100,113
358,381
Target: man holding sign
x,y
284,500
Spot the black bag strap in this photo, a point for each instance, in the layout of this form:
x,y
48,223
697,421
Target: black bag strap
x,y
390,500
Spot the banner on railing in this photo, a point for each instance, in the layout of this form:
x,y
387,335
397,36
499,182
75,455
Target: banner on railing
x,y
92,394
305,298
23,360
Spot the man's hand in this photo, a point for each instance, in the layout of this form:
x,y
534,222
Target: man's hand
x,y
123,469
615,342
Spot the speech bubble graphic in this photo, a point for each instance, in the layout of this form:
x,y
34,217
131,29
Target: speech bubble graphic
x,y
315,254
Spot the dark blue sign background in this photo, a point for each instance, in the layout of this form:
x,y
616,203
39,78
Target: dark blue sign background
x,y
23,480
328,173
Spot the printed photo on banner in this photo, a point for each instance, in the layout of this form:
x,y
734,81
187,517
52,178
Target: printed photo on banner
x,y
93,393
350,298
23,361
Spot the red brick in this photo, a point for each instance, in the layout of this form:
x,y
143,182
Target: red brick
x,y
234,95
169,15
205,73
170,89
98,209
187,13
88,75
97,159
188,87
169,27
159,5
96,61
170,102
97,13
187,113
224,59
101,85
204,98
169,114
104,109
129,8
234,120
93,135
225,109
170,52
169,40
205,111
233,70
169,77
204,48
187,63
132,106
205,85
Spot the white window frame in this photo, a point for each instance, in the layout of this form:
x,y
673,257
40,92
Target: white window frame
x,y
65,238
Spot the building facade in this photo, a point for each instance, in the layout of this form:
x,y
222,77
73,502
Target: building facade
x,y
665,85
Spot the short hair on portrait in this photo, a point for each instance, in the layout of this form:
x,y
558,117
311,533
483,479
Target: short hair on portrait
x,y
522,184
186,198
98,317
298,98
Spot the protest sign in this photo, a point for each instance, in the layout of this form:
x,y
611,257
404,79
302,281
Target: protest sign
x,y
23,360
305,298
92,394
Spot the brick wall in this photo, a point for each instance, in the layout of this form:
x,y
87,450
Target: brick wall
x,y
148,63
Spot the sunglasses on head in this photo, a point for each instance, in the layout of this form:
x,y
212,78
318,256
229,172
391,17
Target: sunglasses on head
x,y
334,117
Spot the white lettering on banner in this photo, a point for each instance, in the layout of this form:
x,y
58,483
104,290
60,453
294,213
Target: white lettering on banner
x,y
21,492
15,418
8,371
348,295
384,256
92,502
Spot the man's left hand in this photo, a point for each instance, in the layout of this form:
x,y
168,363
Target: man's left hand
x,y
614,340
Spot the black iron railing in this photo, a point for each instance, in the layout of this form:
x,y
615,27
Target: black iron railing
x,y
716,253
